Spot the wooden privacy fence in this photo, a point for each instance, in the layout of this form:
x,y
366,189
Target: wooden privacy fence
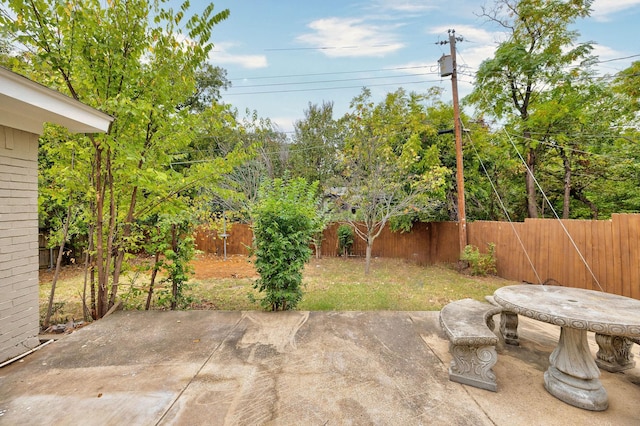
x,y
606,253
239,240
591,254
426,244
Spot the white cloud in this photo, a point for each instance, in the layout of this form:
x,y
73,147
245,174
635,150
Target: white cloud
x,y
611,58
602,9
410,6
351,37
285,124
605,53
221,55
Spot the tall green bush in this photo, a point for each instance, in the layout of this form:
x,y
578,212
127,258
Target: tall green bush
x,y
284,220
345,240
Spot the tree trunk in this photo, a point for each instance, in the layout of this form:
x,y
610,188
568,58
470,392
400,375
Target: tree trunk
x,y
65,233
125,235
566,201
111,234
101,301
367,263
92,286
153,281
579,195
87,265
174,284
532,208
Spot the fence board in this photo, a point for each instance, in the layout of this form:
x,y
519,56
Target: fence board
x,y
579,247
597,251
609,277
616,262
528,236
238,240
625,278
634,255
543,231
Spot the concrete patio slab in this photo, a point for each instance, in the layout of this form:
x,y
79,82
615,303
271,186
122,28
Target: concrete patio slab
x,y
289,368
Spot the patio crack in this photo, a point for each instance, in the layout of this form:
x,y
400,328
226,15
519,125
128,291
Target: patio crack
x,y
222,341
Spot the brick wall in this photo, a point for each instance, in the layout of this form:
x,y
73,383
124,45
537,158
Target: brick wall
x,y
19,320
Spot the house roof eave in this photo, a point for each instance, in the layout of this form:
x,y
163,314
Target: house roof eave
x,y
26,105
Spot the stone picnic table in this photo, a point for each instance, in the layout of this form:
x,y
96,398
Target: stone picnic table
x,y
573,375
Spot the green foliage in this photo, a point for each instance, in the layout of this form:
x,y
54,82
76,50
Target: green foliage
x,y
316,145
345,239
389,168
627,84
144,63
517,84
481,264
179,270
133,290
172,237
284,220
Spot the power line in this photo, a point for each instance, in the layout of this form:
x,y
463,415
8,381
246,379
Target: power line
x,y
575,150
331,81
619,59
468,71
324,48
473,73
332,88
330,73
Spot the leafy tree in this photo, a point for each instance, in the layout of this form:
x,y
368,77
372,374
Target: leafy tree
x,y
261,154
132,60
515,83
284,221
316,145
607,164
388,169
6,54
628,84
574,125
488,164
61,196
210,80
345,240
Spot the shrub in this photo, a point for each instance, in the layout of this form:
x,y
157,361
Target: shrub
x,y
345,240
481,264
173,245
284,220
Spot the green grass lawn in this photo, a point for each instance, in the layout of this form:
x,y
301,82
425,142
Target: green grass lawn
x,y
336,284
328,284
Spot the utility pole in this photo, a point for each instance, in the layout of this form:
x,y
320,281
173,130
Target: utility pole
x,y
457,130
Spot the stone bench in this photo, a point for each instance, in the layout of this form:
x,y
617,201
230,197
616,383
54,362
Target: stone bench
x,y
469,325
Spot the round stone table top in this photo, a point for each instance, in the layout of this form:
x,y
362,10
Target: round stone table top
x,y
595,311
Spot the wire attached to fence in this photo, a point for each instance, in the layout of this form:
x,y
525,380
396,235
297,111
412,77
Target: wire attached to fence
x,y
544,195
504,209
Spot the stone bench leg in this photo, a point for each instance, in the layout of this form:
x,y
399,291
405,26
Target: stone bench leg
x,y
472,365
509,328
614,353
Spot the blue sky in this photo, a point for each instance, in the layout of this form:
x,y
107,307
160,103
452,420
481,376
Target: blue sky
x,y
282,55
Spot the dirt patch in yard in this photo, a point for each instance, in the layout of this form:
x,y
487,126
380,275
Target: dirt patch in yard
x,y
211,266
66,272
206,266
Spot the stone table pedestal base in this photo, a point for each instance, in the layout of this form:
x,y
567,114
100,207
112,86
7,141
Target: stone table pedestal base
x,y
573,375
614,353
